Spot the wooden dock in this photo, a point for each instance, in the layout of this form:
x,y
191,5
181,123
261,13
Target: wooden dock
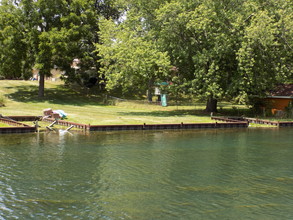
x,y
226,122
285,124
15,126
12,122
25,118
10,130
68,123
234,124
260,121
228,119
255,121
168,126
267,122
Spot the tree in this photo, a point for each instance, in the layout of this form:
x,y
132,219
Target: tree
x,y
226,49
197,37
222,49
265,53
52,33
130,56
12,52
58,32
200,39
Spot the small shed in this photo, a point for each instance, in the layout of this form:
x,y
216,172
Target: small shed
x,y
280,97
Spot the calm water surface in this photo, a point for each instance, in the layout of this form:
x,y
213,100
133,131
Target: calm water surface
x,y
198,174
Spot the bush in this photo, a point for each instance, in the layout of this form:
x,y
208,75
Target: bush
x,y
289,110
260,107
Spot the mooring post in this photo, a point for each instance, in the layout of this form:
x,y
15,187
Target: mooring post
x,y
37,125
54,122
51,125
69,127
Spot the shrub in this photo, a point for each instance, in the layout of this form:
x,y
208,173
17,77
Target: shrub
x,y
289,110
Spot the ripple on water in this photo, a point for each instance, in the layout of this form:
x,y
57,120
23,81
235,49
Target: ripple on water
x,y
147,175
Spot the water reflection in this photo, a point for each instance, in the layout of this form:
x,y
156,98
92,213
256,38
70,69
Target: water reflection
x,y
200,174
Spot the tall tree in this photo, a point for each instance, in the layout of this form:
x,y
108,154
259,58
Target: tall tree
x,y
57,33
130,55
230,48
12,46
265,53
201,38
52,33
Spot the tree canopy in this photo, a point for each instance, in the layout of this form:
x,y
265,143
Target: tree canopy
x,y
131,59
50,34
234,49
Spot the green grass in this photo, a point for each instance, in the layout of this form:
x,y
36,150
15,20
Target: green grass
x,y
4,125
278,119
261,125
22,99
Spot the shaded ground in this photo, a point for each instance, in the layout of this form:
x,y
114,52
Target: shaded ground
x,y
172,113
88,106
57,95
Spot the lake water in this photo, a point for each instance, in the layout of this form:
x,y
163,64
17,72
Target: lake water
x,y
198,174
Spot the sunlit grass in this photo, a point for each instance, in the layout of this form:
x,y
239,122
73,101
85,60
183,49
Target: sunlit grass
x,y
22,99
262,125
4,125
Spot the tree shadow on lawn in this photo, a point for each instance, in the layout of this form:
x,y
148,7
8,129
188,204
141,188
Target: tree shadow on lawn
x,y
177,113
192,112
59,95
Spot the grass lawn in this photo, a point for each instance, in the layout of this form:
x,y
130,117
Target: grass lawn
x,y
21,98
4,125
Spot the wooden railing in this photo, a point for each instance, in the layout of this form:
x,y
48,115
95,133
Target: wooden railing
x,y
16,127
12,122
24,118
67,123
256,121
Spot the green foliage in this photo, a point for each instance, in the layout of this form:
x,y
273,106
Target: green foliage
x,y
202,42
130,58
223,49
264,55
48,34
289,110
12,46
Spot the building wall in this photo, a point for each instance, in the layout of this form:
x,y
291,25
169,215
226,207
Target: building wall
x,y
277,104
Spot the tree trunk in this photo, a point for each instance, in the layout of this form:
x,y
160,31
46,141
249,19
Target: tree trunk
x,y
211,105
150,95
41,85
